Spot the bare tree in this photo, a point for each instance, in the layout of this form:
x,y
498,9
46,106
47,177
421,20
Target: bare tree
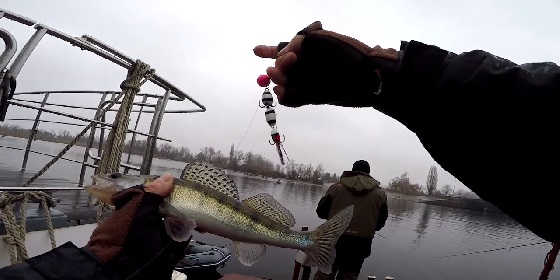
x,y
431,181
447,190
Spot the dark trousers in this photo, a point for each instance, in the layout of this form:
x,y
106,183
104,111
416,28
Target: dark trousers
x,y
351,251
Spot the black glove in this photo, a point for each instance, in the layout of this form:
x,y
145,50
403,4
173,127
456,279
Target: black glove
x,y
133,242
335,69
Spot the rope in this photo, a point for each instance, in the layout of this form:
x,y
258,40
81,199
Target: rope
x,y
50,226
15,232
112,151
549,261
14,239
113,148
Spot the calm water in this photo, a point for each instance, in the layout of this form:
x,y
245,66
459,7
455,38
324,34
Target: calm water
x,y
415,244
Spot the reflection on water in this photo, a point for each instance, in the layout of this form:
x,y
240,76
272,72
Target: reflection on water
x,y
413,245
422,223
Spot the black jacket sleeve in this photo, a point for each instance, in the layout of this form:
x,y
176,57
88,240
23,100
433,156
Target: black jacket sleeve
x,y
324,207
64,262
383,214
488,121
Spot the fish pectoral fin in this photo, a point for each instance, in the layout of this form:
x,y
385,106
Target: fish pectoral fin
x,y
267,206
248,253
179,229
177,225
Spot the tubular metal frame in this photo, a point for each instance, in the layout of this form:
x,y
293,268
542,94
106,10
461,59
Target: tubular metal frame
x,y
10,72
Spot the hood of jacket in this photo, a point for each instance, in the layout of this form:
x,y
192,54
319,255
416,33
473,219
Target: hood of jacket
x,y
358,182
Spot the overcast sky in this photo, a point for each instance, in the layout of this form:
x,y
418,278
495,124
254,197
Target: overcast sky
x,y
205,48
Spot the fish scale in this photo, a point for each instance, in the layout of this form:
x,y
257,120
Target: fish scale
x,y
206,199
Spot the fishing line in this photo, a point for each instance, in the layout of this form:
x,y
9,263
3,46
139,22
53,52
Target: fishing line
x,y
247,129
287,157
496,249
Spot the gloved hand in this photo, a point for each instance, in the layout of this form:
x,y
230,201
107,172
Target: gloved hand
x,y
324,67
133,241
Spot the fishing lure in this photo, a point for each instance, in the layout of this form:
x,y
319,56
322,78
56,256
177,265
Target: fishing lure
x,y
267,101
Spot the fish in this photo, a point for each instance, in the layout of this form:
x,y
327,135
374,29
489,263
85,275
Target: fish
x,y
206,199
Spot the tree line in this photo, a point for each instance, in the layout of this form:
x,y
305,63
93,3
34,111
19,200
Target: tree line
x,y
402,184
236,160
248,163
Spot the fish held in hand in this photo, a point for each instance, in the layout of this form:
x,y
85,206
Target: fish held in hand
x,y
208,200
105,185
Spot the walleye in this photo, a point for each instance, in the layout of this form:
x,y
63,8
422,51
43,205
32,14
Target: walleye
x,y
208,200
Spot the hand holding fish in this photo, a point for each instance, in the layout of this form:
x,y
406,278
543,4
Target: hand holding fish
x,y
129,239
206,199
161,186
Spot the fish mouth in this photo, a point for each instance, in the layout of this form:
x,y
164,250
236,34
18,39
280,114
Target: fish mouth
x,y
102,189
105,185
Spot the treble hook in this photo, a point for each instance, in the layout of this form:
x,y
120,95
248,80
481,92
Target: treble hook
x,y
264,106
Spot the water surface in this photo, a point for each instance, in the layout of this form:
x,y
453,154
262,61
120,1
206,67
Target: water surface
x,y
417,242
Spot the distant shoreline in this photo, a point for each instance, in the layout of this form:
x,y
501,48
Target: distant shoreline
x,y
473,204
271,179
228,171
465,203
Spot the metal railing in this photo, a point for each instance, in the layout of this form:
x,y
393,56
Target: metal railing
x,y
156,103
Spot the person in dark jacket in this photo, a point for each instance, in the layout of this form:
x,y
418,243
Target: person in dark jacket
x,y
356,188
488,121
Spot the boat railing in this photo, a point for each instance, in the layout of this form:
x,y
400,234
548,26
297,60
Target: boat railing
x,y
151,104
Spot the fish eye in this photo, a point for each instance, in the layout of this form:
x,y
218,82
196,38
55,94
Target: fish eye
x,y
115,175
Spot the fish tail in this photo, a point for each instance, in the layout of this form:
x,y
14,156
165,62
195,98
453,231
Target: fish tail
x,y
324,238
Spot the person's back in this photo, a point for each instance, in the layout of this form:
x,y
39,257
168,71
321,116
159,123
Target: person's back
x,y
356,188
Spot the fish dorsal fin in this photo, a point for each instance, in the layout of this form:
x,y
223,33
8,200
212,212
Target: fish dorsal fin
x,y
210,176
267,206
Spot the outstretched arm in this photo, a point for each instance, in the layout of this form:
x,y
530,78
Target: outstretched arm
x,y
488,121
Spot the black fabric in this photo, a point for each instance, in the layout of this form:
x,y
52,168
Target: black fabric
x,y
330,71
64,262
361,165
19,272
148,253
383,214
324,207
351,251
281,45
7,89
488,121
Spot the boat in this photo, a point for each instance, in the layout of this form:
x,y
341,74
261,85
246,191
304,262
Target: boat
x,y
74,219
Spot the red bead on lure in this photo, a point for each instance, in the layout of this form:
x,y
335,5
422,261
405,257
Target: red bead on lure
x,y
270,115
263,80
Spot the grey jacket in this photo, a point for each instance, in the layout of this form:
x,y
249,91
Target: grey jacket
x,y
369,200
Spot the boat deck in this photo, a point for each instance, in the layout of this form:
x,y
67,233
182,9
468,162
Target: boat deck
x,y
73,203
